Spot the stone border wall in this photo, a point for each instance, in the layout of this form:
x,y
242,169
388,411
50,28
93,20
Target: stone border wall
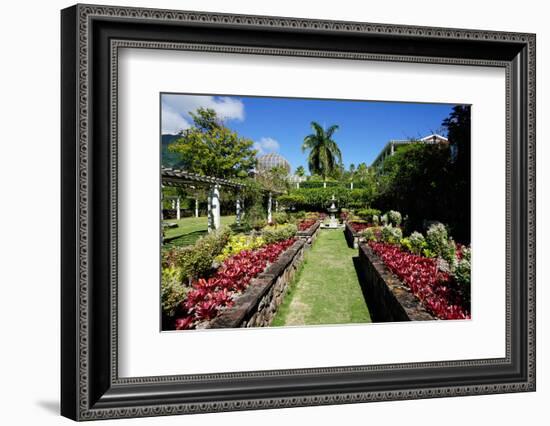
x,y
258,304
310,234
351,237
389,299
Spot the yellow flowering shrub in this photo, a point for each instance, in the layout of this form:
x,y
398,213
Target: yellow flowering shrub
x,y
238,243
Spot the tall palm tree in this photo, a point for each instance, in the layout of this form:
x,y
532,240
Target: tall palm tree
x,y
324,154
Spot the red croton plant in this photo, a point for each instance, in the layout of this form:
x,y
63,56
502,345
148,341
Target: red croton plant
x,y
208,296
359,226
437,290
304,225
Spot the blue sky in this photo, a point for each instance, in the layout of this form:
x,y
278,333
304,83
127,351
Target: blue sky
x,y
280,124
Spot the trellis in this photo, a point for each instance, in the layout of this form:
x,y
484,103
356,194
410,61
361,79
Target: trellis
x,y
185,179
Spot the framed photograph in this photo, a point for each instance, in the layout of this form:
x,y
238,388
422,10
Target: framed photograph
x,y
263,212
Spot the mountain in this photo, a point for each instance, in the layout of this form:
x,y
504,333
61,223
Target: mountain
x,y
169,159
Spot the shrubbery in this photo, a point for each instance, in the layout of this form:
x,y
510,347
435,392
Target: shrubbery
x,y
372,234
394,217
439,244
417,242
462,272
195,261
238,243
172,289
368,214
280,218
273,234
391,235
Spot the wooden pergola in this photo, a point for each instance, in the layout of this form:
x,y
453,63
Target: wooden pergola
x,y
184,179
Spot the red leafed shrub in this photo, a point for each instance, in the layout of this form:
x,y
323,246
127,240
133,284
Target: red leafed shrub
x,y
436,290
208,296
359,226
304,225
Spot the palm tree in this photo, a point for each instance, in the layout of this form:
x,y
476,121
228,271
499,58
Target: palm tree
x,y
300,171
324,154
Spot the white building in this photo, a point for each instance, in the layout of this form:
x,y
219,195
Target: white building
x,y
390,147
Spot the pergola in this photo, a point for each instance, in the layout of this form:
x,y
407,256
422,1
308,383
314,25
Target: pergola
x,y
184,179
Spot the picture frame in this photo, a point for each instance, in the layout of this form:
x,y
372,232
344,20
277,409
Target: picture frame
x,y
90,385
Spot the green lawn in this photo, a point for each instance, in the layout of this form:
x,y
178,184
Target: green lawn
x,y
326,289
190,229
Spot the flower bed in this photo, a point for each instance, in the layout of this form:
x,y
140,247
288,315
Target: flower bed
x,y
357,227
305,224
258,304
310,232
352,231
437,290
210,296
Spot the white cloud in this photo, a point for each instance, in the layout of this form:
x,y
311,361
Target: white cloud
x,y
173,122
266,145
176,108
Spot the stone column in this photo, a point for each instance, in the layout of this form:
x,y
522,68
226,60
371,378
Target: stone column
x,y
269,201
238,208
209,211
173,204
276,205
392,149
351,185
216,208
298,185
197,207
178,212
324,184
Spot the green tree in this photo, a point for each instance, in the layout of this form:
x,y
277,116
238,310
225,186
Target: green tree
x,y
211,148
458,125
300,171
324,155
275,179
419,181
362,172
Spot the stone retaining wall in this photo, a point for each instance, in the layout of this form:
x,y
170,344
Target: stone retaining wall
x,y
389,300
310,234
258,304
351,237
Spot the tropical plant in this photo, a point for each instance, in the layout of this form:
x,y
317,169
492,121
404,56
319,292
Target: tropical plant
x,y
238,243
440,244
324,154
300,171
462,272
208,296
435,289
394,217
372,233
418,242
391,235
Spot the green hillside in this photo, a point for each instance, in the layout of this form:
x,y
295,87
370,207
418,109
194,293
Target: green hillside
x,y
169,159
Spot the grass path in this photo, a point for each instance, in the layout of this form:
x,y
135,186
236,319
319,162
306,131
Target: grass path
x,y
326,289
190,229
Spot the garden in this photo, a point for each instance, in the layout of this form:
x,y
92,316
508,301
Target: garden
x,y
245,243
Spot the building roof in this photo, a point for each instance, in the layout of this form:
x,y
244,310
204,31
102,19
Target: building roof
x,y
268,161
433,138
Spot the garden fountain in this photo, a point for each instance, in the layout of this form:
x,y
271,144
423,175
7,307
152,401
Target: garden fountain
x,y
333,223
